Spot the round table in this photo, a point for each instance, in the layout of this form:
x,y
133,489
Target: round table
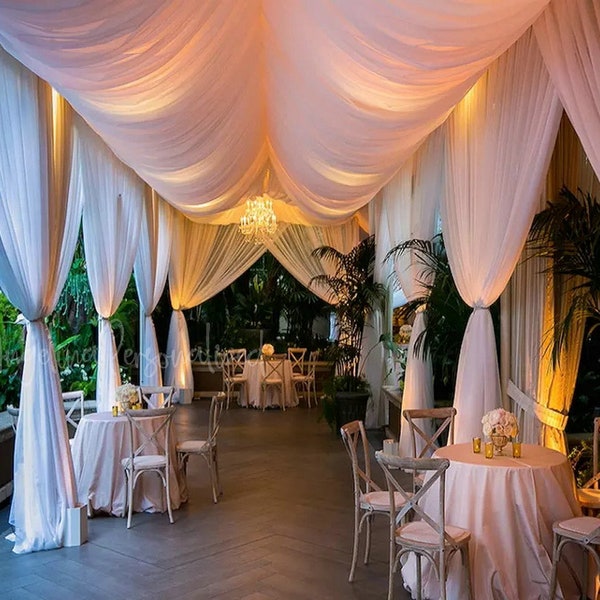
x,y
101,441
508,505
254,371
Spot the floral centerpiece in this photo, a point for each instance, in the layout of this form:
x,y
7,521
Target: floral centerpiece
x,y
267,350
126,396
404,334
499,425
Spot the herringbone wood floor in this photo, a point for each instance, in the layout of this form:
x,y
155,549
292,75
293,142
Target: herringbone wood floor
x,y
282,530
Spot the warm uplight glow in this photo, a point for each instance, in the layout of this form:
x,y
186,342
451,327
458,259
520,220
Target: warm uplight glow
x,y
259,221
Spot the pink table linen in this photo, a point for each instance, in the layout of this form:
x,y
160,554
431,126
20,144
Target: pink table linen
x,y
254,371
509,506
101,441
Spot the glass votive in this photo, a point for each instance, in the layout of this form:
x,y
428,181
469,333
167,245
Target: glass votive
x,y
115,411
516,449
489,450
390,447
477,445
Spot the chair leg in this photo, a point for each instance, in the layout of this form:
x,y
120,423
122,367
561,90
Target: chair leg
x,y
418,559
129,498
217,478
555,559
464,551
368,539
282,396
355,544
391,566
168,491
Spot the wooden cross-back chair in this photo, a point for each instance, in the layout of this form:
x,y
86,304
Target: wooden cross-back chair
x,y
155,396
414,528
444,432
273,377
369,498
233,365
149,452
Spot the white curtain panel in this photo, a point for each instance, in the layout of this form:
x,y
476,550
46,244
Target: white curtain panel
x,y
205,259
39,224
112,198
293,248
568,34
343,93
151,269
412,200
500,140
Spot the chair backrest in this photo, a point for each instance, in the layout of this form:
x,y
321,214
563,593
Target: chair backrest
x,y
443,417
155,396
296,357
214,416
355,440
235,358
435,481
152,439
273,370
73,402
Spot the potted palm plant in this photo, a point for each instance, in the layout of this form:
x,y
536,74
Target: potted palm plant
x,y
357,296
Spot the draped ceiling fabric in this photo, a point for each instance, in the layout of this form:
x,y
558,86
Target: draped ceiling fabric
x,y
412,200
112,198
500,142
151,269
205,259
39,223
195,96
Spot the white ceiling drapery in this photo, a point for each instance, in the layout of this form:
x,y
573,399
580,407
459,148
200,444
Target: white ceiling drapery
x,y
338,93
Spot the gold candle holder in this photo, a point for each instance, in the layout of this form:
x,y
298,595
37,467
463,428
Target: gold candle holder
x,y
476,445
115,411
489,450
516,449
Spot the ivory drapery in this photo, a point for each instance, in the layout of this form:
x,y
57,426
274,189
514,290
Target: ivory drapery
x,y
112,213
338,92
293,248
499,146
151,268
413,208
204,260
39,223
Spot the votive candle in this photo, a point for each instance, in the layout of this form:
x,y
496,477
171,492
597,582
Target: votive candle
x,y
516,449
476,445
489,450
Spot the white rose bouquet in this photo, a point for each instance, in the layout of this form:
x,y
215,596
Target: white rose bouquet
x,y
267,350
127,396
500,422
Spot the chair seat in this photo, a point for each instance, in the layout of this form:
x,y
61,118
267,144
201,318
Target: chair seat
x,y
380,500
238,379
589,497
272,380
421,533
192,446
578,527
150,461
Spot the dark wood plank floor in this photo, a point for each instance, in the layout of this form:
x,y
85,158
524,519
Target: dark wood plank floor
x,y
282,530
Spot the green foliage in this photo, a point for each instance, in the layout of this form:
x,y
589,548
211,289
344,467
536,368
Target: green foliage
x,y
447,313
358,295
11,354
580,458
568,233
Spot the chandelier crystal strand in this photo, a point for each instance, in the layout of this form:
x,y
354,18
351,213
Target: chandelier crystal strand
x,y
259,221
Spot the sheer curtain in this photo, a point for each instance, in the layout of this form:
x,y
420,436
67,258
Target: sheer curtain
x,y
294,245
204,260
151,269
499,144
39,223
112,198
412,199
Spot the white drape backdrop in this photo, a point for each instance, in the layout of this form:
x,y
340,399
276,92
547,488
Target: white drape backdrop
x,y
412,200
499,146
293,248
38,232
151,269
204,260
112,212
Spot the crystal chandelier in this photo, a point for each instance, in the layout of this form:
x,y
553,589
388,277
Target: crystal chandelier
x,y
259,221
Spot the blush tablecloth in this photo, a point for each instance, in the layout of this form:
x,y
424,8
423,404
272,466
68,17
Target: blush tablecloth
x,y
254,372
509,506
101,441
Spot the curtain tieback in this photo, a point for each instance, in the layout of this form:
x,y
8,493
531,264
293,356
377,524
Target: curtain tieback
x,y
547,416
23,320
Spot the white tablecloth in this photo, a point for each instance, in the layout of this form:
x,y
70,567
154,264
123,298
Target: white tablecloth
x,y
254,372
509,506
101,441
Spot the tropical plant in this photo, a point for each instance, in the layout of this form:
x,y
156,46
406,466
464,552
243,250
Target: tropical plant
x,y
567,232
358,296
11,354
447,313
